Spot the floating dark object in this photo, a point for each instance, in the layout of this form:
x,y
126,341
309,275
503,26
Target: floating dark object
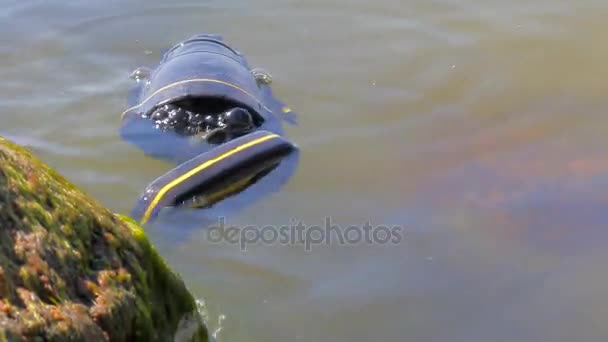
x,y
204,108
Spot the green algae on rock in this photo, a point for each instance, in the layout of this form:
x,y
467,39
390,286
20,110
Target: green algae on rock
x,y
72,271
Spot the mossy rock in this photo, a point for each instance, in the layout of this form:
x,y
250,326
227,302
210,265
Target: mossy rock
x,y
70,270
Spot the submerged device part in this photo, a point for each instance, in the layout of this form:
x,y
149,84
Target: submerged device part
x,y
206,71
206,110
215,128
212,176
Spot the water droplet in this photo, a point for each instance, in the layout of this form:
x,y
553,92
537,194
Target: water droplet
x,y
262,76
220,326
140,74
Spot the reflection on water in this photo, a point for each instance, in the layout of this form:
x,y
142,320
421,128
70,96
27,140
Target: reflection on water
x,y
477,126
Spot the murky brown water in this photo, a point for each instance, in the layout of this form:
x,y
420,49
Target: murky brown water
x,y
479,126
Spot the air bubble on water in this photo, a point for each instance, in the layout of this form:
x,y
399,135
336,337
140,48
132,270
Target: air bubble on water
x,y
262,76
140,74
206,315
220,321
